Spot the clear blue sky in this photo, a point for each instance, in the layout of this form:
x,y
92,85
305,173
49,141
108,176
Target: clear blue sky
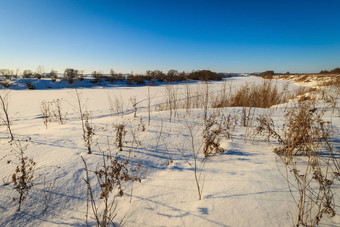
x,y
126,35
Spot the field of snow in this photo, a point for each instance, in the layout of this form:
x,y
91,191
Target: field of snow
x,y
243,185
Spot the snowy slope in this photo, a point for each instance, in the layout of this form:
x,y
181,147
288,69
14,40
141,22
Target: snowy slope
x,y
242,186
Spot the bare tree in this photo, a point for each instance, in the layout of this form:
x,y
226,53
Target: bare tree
x,y
70,74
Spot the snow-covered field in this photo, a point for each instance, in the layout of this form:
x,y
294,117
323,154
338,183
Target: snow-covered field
x,y
243,185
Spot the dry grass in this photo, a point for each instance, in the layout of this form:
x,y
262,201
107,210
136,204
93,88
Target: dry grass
x,y
306,151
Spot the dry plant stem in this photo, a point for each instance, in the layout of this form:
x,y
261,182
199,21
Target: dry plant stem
x,y
135,139
304,135
80,109
4,102
47,193
195,153
46,113
120,133
86,127
90,195
160,134
89,132
169,99
206,100
57,112
23,176
149,106
111,176
187,98
116,104
211,135
134,105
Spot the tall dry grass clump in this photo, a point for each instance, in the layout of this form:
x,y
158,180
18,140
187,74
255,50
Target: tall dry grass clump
x,y
263,95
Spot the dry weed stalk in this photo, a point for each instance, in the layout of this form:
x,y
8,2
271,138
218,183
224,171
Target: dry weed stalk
x,y
133,102
195,151
149,105
52,111
111,176
57,114
88,129
116,104
89,132
306,150
120,134
229,124
24,172
247,116
4,102
211,135
47,192
45,111
171,99
187,96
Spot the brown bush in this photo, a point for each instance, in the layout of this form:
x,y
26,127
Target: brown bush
x,y
251,95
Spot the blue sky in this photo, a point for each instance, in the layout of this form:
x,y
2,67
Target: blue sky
x,y
223,36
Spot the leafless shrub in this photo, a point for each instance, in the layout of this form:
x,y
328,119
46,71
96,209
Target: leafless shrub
x,y
306,151
45,112
87,128
53,75
120,134
211,135
135,132
116,104
313,180
70,74
24,172
266,129
195,164
4,103
113,173
52,111
30,85
56,112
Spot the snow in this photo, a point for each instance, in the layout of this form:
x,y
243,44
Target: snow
x,y
242,186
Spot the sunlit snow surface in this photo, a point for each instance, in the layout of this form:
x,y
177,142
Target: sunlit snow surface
x,y
243,186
